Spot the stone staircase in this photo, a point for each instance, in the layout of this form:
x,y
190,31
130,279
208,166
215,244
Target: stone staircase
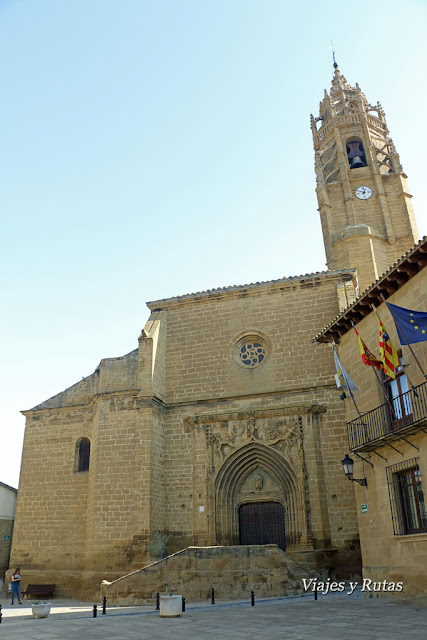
x,y
233,571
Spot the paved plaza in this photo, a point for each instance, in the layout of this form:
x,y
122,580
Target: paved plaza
x,y
330,618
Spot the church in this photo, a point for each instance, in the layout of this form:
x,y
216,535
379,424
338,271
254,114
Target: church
x,y
224,426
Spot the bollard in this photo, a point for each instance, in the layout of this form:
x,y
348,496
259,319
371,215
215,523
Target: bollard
x,y
104,606
315,594
157,601
252,599
94,611
212,595
0,614
183,603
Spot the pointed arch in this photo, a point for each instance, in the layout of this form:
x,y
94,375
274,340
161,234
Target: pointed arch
x,y
228,497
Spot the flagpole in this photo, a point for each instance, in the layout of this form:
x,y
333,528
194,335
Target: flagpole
x,y
406,339
400,363
363,424
376,373
348,385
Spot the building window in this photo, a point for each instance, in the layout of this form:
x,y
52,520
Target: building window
x,y
406,498
83,454
356,154
400,399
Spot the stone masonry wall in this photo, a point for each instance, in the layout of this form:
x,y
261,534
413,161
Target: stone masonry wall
x,y
233,571
370,254
203,331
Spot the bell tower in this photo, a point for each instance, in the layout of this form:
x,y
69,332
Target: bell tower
x,y
365,208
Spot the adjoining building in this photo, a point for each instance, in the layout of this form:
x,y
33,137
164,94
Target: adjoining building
x,y
225,425
387,425
7,517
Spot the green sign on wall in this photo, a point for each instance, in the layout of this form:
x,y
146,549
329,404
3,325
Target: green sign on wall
x,y
6,537
364,508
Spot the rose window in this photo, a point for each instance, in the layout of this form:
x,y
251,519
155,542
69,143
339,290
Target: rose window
x,y
251,353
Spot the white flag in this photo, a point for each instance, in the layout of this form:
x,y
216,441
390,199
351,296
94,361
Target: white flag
x,y
342,379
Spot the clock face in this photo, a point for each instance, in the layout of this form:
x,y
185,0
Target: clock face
x,y
363,193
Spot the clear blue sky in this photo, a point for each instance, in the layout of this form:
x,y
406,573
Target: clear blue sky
x,y
151,149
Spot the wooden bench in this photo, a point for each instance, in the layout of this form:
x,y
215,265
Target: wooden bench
x,y
39,590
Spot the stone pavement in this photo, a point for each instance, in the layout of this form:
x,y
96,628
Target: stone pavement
x,y
330,618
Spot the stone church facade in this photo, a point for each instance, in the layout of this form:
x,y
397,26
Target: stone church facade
x,y
224,426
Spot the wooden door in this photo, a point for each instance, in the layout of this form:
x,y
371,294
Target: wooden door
x,y
262,523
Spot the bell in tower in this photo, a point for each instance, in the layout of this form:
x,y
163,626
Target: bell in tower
x,y
356,154
364,203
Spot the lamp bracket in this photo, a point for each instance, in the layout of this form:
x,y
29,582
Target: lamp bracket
x,y
362,481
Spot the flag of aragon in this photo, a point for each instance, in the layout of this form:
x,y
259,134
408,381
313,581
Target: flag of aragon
x,y
388,353
411,325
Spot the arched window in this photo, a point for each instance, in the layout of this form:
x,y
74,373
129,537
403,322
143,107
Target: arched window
x,y
356,154
83,454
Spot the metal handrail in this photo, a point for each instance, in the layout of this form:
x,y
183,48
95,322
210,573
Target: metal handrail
x,y
404,410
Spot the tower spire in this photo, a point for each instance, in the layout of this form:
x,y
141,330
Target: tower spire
x,y
333,55
364,203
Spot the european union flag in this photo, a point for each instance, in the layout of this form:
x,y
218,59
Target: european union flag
x,y
411,325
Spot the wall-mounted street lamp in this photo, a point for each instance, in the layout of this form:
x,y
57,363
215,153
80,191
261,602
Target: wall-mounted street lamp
x,y
347,465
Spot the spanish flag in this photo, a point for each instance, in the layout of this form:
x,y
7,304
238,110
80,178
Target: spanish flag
x,y
368,357
388,353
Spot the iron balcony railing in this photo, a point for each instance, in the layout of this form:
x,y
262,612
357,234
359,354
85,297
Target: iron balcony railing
x,y
403,411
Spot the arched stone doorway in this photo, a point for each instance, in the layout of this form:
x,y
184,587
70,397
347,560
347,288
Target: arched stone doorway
x,y
257,474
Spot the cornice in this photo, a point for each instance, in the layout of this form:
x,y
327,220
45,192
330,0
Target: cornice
x,y
149,400
84,405
252,289
254,413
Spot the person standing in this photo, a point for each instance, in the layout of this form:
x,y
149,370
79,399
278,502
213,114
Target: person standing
x,y
16,584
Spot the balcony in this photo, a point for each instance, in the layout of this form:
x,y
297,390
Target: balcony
x,y
405,415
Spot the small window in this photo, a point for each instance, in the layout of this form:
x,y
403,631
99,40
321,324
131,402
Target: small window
x,y
83,454
356,154
406,498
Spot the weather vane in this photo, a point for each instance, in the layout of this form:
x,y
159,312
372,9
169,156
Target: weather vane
x,y
333,55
